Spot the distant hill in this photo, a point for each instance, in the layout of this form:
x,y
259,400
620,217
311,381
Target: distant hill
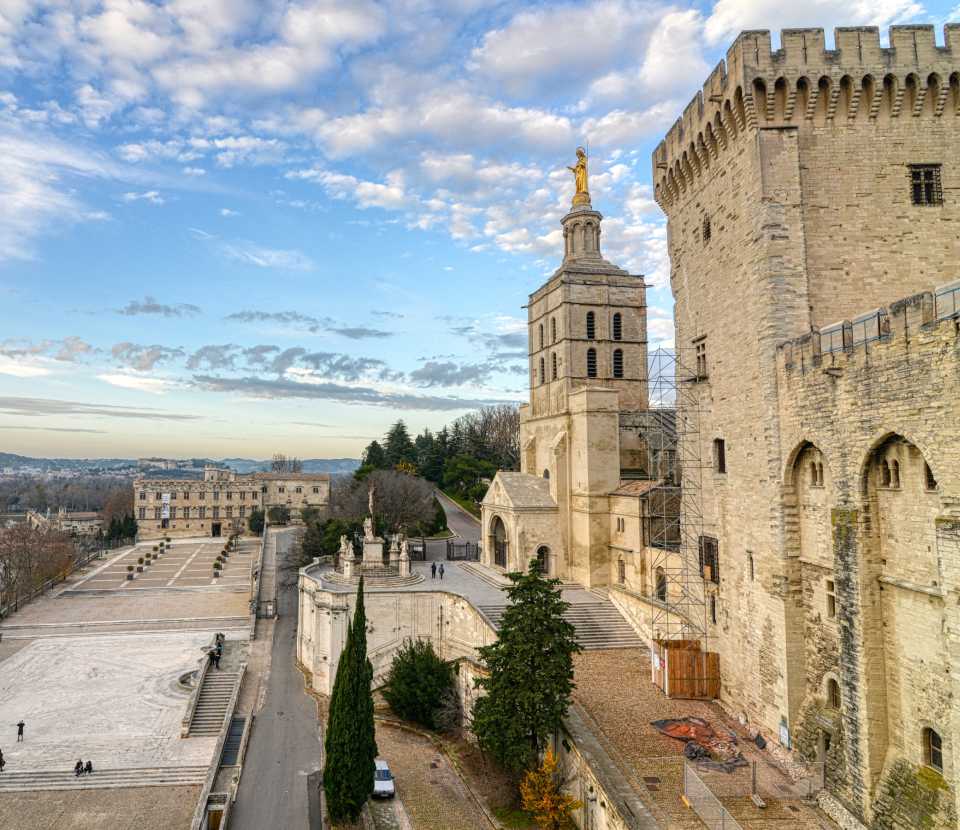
x,y
241,465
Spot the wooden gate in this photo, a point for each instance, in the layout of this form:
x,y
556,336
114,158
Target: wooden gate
x,y
681,670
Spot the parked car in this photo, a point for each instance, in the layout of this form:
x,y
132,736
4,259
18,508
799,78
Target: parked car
x,y
383,781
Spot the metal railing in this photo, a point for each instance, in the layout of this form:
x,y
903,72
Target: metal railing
x,y
705,804
946,300
468,551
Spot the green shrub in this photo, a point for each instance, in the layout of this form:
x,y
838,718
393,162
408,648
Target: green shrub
x,y
419,684
217,565
140,560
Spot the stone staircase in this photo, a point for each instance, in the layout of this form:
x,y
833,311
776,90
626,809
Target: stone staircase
x,y
101,779
599,624
213,703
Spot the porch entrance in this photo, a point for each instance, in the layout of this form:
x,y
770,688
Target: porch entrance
x,y
498,533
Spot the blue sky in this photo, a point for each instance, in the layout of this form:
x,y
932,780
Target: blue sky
x,y
233,227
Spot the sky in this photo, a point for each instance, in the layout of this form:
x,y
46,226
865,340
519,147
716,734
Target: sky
x,y
238,227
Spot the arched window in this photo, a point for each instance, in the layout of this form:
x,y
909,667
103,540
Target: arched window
x,y
541,335
833,694
591,326
933,749
542,371
591,363
813,473
543,559
618,363
820,473
546,474
617,326
553,366
553,329
661,585
885,473
931,481
895,474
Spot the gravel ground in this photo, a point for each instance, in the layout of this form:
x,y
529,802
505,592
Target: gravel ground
x,y
614,688
140,808
432,793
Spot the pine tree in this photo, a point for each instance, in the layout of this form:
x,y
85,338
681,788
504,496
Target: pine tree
x,y
531,673
351,745
374,456
398,446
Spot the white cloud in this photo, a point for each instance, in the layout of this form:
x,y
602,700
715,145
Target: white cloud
x,y
20,368
227,212
141,383
251,254
151,196
730,17
194,171
366,194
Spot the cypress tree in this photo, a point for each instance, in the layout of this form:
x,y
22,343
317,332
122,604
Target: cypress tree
x,y
350,744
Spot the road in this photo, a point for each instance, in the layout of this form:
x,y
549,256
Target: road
x,y
458,520
285,743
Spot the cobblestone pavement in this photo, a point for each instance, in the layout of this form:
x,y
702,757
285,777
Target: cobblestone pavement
x,y
430,790
139,808
615,689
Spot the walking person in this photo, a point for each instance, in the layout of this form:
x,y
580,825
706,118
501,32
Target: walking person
x,y
212,654
433,570
2,762
216,658
441,571
88,767
20,731
78,768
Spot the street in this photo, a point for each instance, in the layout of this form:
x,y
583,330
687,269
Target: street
x,y
285,743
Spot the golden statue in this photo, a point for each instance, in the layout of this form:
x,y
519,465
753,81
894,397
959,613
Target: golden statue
x,y
582,196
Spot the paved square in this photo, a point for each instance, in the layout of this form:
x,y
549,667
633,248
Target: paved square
x,y
113,699
189,564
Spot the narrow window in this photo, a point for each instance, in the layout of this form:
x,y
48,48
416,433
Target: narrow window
x,y
831,600
553,366
713,608
661,585
541,335
553,329
819,474
833,694
281,489
709,550
813,473
542,371
751,566
719,455
895,474
617,326
546,474
701,349
158,496
299,490
229,496
706,232
316,490
618,363
933,749
931,481
186,494
591,363
925,184
591,326
885,473
621,571
142,513
143,496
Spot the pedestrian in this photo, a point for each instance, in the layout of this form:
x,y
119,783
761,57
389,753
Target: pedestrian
x,y
88,768
433,570
216,659
2,762
441,571
20,731
78,768
220,649
212,654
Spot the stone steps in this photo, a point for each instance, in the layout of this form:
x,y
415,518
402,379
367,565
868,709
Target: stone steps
x,y
213,703
26,631
34,780
599,625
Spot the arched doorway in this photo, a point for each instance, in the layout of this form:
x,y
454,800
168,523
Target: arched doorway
x,y
543,557
498,537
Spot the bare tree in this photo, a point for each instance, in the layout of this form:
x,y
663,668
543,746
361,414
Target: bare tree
x,y
29,557
400,500
282,464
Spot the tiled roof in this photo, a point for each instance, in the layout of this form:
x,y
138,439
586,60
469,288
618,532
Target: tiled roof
x,y
636,487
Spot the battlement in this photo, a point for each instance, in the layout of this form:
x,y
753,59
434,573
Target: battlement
x,y
804,83
828,347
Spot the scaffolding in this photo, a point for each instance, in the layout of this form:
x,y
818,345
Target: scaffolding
x,y
674,528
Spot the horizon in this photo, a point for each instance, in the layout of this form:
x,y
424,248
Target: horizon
x,y
279,228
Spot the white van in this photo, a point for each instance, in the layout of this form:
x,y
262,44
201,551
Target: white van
x,y
383,781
